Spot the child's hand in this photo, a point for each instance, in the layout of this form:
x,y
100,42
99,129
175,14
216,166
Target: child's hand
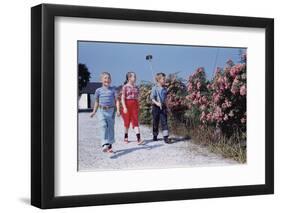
x,y
92,114
125,110
158,104
118,113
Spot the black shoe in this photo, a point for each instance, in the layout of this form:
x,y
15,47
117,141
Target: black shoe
x,y
167,140
154,138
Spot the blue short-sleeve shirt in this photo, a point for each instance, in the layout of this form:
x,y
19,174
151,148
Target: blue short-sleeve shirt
x,y
159,93
106,96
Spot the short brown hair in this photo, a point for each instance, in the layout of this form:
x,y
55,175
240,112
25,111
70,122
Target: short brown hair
x,y
105,73
159,75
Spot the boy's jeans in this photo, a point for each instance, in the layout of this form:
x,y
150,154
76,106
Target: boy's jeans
x,y
106,119
159,115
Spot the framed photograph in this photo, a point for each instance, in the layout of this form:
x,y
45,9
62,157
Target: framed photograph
x,y
136,106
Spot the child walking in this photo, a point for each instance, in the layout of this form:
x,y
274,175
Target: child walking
x,y
159,109
130,104
106,105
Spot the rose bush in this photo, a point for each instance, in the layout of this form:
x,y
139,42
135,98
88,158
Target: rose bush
x,y
221,102
176,92
145,116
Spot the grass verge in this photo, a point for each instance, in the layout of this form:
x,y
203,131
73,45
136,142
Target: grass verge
x,y
233,147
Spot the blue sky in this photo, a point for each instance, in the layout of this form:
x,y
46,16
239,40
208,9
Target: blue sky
x,y
119,58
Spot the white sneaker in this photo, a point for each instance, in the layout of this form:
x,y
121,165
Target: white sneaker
x,y
105,148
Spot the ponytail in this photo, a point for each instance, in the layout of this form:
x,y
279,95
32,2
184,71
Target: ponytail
x,y
127,78
125,82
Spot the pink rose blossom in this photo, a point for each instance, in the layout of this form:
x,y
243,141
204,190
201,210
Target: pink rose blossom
x,y
216,97
195,102
235,70
202,116
198,85
228,103
189,88
224,106
234,89
198,95
203,107
243,90
200,69
204,99
209,116
236,80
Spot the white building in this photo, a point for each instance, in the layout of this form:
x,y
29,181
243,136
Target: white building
x,y
86,99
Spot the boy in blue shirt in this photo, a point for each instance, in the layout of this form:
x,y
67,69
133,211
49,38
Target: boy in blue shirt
x,y
159,109
106,104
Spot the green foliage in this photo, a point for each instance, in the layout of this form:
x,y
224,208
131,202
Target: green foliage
x,y
145,116
83,76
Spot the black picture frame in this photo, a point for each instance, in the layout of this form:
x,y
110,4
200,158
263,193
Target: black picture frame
x,y
43,117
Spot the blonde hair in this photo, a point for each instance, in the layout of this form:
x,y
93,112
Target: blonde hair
x,y
159,75
105,73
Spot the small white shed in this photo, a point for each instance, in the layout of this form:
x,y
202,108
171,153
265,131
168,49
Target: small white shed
x,y
87,96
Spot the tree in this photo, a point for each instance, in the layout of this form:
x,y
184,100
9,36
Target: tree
x,y
83,76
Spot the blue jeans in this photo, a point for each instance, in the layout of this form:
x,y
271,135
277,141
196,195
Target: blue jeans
x,y
106,118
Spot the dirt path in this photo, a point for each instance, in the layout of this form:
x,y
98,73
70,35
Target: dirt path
x,y
182,153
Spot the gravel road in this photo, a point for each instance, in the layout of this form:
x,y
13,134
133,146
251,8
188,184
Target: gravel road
x,y
152,154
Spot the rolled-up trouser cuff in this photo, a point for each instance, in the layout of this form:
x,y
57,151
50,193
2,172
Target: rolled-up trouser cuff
x,y
165,133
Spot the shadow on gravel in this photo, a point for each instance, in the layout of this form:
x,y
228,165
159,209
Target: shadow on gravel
x,y
180,139
121,152
173,140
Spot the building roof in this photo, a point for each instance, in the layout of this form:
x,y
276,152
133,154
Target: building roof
x,y
91,87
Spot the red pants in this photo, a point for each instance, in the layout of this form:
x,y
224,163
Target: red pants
x,y
132,113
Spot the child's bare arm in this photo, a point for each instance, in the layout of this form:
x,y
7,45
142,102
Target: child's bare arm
x,y
117,106
153,97
95,108
123,103
156,102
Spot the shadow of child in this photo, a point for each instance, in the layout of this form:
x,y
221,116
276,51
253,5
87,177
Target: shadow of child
x,y
121,152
